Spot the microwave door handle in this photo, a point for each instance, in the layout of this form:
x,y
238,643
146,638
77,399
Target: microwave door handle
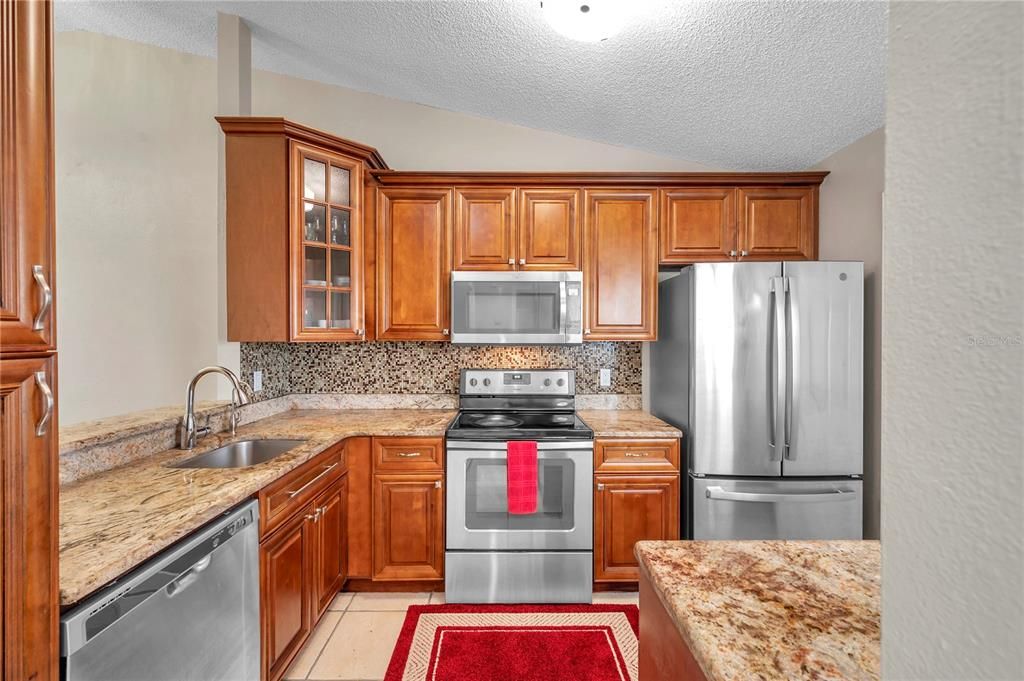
x,y
563,307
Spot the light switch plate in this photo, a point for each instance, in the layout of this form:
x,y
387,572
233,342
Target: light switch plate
x,y
606,378
257,381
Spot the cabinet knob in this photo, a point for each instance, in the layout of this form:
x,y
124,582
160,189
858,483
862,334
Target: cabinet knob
x,y
437,484
444,332
522,261
600,486
743,253
732,254
511,261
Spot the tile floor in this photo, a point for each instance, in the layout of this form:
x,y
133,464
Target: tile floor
x,y
355,638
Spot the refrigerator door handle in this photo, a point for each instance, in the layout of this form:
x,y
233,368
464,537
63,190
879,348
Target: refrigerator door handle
x,y
777,384
716,492
787,451
773,375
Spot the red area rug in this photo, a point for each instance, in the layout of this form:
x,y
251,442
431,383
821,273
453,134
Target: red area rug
x,y
517,643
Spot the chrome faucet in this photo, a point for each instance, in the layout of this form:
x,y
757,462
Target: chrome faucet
x,y
187,432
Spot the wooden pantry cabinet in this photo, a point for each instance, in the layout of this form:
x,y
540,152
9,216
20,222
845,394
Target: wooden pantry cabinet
x,y
295,233
636,497
28,358
303,554
509,228
719,224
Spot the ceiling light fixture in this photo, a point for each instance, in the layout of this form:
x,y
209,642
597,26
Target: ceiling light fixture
x,y
586,20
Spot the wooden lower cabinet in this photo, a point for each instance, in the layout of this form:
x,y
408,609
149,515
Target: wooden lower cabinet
x,y
408,524
286,588
331,550
302,569
628,509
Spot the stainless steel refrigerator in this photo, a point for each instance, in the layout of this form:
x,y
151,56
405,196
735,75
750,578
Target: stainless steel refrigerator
x,y
761,366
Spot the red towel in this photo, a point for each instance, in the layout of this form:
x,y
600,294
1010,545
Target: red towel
x,y
522,477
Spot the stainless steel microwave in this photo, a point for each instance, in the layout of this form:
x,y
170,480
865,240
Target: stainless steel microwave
x,y
517,308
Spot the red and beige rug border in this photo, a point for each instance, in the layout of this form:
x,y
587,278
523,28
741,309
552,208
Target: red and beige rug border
x,y
406,639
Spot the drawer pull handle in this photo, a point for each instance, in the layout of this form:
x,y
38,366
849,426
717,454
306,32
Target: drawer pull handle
x,y
409,455
292,495
637,454
45,298
44,390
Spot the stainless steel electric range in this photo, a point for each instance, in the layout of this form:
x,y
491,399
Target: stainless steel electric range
x,y
492,556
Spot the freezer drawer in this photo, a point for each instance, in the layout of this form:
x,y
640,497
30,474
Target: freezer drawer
x,y
728,508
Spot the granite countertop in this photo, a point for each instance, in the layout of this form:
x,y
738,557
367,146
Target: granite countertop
x,y
626,423
113,521
772,609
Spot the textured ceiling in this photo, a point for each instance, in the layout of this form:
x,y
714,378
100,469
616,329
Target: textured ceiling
x,y
734,85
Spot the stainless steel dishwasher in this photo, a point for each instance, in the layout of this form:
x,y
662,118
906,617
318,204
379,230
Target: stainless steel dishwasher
x,y
189,614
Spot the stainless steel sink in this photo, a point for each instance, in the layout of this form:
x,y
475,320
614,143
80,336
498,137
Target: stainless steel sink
x,y
241,454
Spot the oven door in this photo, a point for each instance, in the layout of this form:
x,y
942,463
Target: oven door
x,y
517,307
477,499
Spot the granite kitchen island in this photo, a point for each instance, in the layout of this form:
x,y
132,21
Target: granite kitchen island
x,y
742,610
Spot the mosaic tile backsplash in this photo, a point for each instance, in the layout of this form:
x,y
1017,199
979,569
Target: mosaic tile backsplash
x,y
427,368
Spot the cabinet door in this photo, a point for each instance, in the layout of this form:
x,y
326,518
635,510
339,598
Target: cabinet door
x,y
327,246
26,210
627,509
778,223
549,229
697,225
331,548
485,220
28,496
286,592
413,263
408,519
620,268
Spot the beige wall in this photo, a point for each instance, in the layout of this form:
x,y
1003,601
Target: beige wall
x,y
136,169
850,218
952,349
137,208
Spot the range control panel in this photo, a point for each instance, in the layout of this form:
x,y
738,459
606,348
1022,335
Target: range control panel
x,y
517,382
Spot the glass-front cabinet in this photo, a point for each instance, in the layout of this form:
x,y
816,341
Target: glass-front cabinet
x,y
326,242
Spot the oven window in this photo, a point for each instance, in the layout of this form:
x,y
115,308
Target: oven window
x,y
506,307
487,497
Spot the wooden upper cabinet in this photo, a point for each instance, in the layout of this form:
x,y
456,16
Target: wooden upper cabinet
x,y
295,237
549,229
26,146
620,266
414,228
485,222
697,224
327,246
778,223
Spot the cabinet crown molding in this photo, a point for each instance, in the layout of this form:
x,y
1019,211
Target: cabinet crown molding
x,y
595,179
275,125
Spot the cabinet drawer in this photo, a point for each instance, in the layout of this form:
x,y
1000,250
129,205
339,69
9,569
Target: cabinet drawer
x,y
400,454
636,456
282,498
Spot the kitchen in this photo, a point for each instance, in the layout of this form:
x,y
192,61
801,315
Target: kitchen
x,y
388,326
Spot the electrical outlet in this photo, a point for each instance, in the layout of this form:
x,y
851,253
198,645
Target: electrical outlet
x,y
257,381
606,378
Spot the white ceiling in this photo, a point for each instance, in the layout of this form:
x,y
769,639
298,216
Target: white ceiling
x,y
732,85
